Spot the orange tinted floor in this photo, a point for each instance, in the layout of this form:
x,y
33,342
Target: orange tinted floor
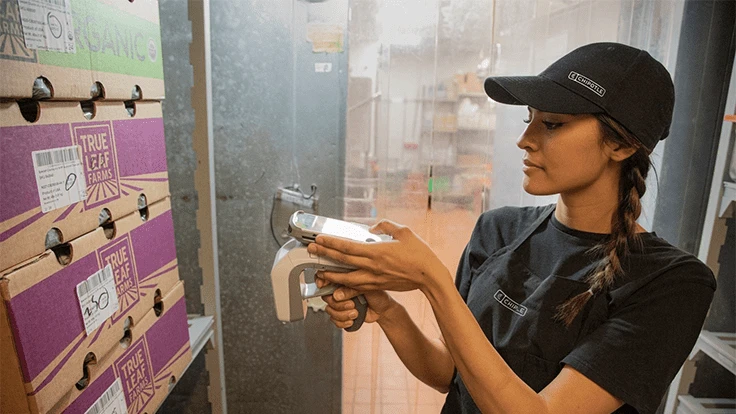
x,y
374,379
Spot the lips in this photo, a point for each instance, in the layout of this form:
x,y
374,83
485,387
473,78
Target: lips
x,y
531,164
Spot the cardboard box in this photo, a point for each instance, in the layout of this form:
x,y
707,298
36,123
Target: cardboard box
x,y
119,158
113,42
469,83
147,369
43,315
465,160
445,122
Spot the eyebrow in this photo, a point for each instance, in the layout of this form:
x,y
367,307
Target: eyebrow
x,y
530,110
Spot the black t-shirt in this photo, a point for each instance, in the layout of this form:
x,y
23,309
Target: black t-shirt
x,y
655,311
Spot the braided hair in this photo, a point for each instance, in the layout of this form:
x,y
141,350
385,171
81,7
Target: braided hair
x,y
623,238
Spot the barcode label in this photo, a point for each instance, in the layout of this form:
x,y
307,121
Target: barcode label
x,y
95,280
98,299
43,159
59,177
111,401
47,25
59,156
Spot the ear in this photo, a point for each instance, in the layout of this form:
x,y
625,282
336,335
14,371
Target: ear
x,y
617,152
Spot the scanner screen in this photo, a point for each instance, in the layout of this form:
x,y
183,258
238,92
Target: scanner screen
x,y
334,227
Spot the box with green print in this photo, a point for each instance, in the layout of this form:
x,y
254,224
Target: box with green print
x,y
62,172
45,311
116,43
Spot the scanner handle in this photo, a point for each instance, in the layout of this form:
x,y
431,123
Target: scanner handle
x,y
362,306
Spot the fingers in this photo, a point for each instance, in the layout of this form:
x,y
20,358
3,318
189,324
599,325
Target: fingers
x,y
355,259
340,298
344,293
358,280
387,227
342,318
341,313
341,324
348,247
339,305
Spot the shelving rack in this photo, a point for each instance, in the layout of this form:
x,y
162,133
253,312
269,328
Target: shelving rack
x,y
460,174
720,346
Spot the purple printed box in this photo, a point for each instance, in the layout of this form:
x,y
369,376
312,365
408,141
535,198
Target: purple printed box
x,y
147,369
44,316
44,163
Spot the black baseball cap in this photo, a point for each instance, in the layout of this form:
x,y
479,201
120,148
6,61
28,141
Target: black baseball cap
x,y
624,82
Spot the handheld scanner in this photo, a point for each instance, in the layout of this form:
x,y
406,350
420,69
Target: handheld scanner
x,y
306,227
289,289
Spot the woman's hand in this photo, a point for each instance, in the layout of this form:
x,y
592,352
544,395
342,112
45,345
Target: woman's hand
x,y
402,264
341,308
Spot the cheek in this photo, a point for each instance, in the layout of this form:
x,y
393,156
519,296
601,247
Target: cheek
x,y
565,168
575,166
580,150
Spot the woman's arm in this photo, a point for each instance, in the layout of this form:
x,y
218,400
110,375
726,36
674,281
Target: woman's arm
x,y
427,359
407,263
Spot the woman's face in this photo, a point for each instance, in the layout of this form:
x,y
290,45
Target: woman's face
x,y
564,153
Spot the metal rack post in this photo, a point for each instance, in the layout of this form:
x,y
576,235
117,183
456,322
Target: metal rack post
x,y
204,183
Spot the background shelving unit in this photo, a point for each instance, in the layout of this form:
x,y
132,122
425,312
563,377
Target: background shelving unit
x,y
720,346
459,141
360,201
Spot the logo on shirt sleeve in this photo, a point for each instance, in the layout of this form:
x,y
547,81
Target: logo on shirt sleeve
x,y
509,303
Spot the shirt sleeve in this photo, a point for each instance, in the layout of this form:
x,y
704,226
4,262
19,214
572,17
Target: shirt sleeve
x,y
639,349
468,261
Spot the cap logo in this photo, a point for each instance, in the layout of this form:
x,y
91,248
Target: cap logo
x,y
588,83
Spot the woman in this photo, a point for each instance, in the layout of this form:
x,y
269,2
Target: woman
x,y
567,308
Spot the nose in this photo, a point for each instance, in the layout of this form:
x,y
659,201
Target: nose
x,y
525,140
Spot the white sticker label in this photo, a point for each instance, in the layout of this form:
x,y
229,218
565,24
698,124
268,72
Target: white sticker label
x,y
47,25
323,67
98,299
59,177
111,402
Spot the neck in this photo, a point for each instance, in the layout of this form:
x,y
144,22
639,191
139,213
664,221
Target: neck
x,y
590,209
592,217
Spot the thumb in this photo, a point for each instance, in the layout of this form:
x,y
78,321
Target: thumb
x,y
387,227
320,281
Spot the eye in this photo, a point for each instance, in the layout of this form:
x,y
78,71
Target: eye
x,y
526,120
552,125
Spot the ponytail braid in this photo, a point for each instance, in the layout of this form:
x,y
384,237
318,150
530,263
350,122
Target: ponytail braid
x,y
623,238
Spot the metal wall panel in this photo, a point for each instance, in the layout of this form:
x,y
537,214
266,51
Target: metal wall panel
x,y
276,122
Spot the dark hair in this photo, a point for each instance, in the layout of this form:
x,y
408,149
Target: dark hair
x,y
623,238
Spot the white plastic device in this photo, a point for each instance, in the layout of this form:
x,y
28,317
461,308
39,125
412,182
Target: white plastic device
x,y
290,290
